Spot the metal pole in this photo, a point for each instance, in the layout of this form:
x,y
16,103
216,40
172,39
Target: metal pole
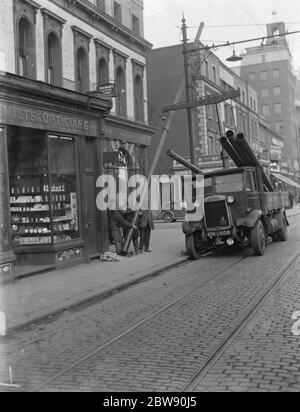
x,y
224,155
188,94
159,150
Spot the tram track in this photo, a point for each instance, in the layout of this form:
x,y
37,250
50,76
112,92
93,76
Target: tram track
x,y
217,352
134,327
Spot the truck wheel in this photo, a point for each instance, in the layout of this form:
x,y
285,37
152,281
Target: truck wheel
x,y
193,251
168,218
258,238
283,233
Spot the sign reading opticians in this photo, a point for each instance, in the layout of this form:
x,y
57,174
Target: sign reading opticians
x,y
19,115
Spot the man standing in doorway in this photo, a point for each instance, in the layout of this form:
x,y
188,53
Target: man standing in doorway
x,y
146,224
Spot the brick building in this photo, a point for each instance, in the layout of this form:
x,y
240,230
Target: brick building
x,y
58,61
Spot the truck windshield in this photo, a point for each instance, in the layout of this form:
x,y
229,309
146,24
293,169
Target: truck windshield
x,y
229,183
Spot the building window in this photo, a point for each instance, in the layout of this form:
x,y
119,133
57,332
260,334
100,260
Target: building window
x,y
278,127
252,77
101,4
265,93
117,12
26,49
266,110
214,74
82,79
53,60
135,24
277,91
243,97
276,74
138,99
277,108
251,102
206,69
121,107
263,75
103,71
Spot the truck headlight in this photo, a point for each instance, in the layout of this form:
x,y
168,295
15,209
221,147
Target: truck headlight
x,y
230,200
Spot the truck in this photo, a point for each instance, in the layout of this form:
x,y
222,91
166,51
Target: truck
x,y
241,206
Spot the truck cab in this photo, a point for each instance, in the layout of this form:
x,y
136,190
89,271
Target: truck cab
x,y
238,209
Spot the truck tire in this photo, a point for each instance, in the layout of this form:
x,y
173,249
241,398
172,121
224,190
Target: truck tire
x,y
283,233
193,251
168,217
258,238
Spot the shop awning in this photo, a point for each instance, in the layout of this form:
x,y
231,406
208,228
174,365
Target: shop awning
x,y
286,180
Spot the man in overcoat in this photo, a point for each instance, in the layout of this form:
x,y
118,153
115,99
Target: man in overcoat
x,y
146,224
116,223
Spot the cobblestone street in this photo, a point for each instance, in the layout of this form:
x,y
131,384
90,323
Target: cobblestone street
x,y
160,334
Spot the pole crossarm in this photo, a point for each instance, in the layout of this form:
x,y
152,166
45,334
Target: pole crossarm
x,y
214,46
204,101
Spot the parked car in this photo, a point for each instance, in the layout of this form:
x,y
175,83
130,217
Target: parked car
x,y
172,211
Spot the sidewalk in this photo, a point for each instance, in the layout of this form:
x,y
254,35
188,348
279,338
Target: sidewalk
x,y
33,298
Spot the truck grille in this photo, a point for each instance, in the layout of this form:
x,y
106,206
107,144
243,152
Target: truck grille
x,y
216,214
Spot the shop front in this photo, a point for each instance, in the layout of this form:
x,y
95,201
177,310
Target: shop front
x,y
51,142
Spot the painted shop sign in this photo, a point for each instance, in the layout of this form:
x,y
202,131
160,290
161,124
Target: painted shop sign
x,y
19,115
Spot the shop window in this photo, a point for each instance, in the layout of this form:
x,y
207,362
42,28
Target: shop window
x,y
138,99
117,12
43,195
26,49
103,71
53,60
135,24
64,203
82,79
121,93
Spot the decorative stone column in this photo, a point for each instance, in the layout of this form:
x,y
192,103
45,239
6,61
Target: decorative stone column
x,y
6,253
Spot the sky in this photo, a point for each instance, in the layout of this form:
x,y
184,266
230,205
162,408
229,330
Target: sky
x,y
245,19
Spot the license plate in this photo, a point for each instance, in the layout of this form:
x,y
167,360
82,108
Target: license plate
x,y
221,233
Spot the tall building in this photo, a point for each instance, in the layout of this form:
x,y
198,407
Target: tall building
x,y
73,105
269,68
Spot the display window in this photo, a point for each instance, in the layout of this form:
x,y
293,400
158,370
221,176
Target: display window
x,y
63,188
43,188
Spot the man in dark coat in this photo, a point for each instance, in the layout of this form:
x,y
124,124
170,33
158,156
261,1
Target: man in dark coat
x,y
116,222
146,224
128,215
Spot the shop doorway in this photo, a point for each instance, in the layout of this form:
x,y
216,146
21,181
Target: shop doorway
x,y
91,216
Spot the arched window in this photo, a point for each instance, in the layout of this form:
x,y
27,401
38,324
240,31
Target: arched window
x,y
103,71
26,49
121,93
138,99
53,60
82,71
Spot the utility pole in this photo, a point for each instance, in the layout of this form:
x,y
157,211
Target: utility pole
x,y
188,94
